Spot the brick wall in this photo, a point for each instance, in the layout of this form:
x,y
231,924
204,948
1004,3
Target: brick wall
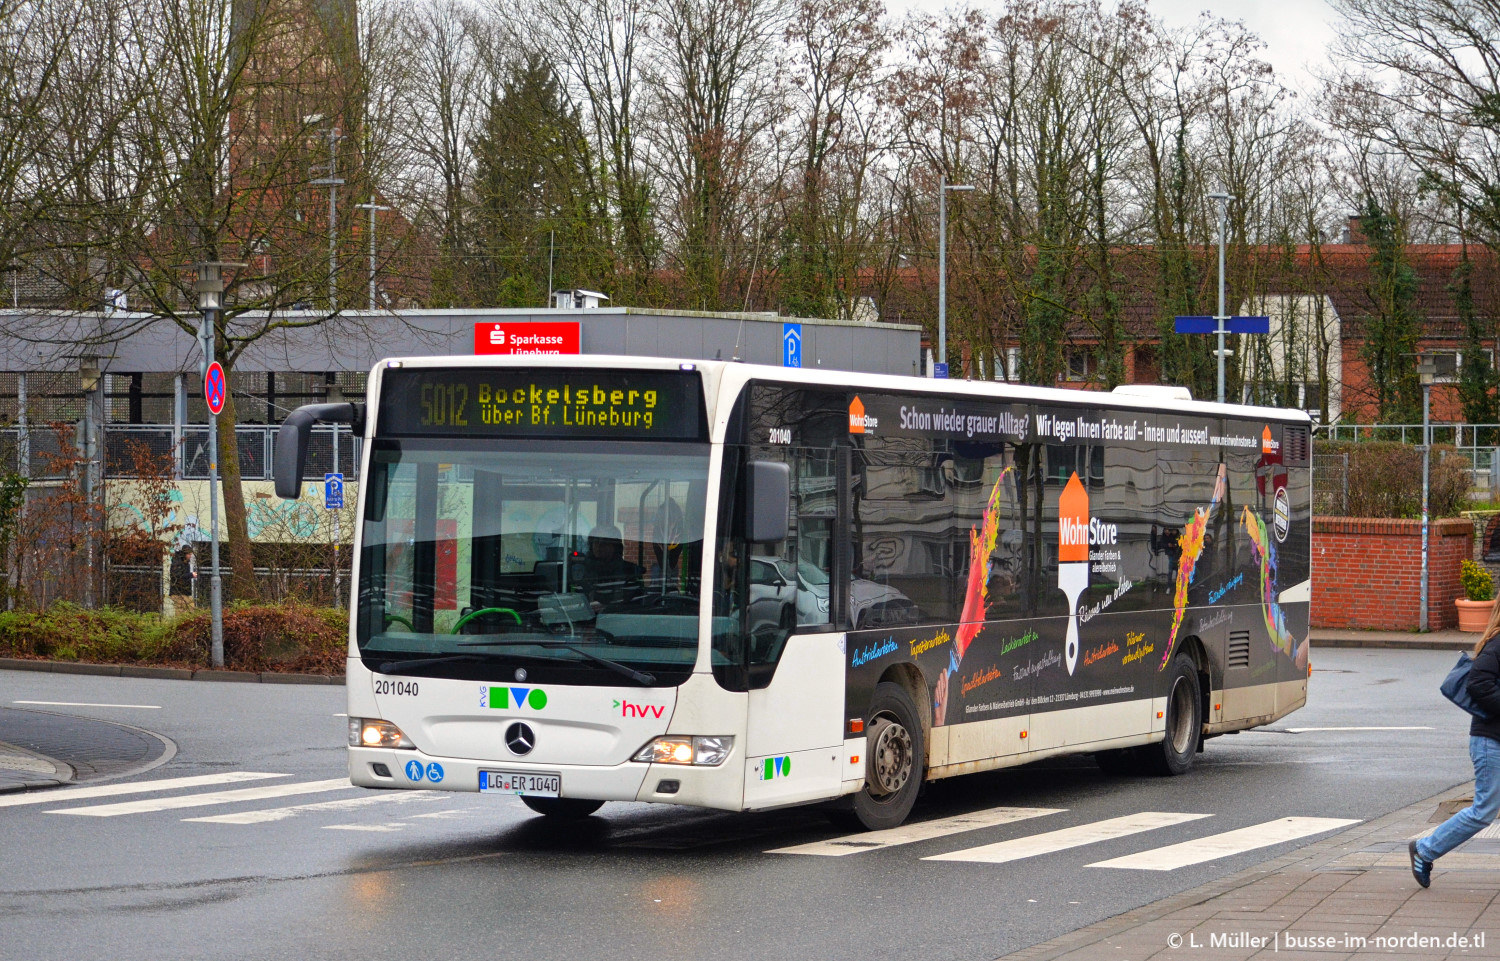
x,y
1367,572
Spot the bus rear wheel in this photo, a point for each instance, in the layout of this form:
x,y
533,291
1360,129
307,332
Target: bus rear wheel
x,y
1184,722
895,762
562,808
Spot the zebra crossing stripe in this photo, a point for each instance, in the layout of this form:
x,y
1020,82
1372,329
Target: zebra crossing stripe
x,y
1224,845
203,800
911,833
1030,847
129,787
342,804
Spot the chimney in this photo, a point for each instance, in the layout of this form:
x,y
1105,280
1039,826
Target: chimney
x,y
1354,231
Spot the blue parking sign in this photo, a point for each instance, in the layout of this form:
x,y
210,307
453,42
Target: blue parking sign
x,y
333,491
791,345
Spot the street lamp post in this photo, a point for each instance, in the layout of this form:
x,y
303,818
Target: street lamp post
x,y
943,187
333,182
372,206
210,289
1219,318
1426,373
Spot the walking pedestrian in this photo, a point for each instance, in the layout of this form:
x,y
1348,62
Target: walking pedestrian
x,y
1484,749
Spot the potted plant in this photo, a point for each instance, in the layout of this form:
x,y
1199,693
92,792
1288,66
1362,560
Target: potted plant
x,y
1479,590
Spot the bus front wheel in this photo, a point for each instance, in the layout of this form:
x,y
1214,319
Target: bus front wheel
x,y
562,808
896,760
1184,722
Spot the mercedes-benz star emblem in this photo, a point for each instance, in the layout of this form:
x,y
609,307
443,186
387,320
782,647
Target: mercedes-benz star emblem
x,y
520,738
520,673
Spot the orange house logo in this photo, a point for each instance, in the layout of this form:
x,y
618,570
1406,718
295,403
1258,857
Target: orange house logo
x,y
1268,444
1073,522
859,421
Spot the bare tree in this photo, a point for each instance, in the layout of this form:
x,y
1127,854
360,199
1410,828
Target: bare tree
x,y
716,91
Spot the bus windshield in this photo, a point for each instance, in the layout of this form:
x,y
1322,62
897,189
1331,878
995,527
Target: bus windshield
x,y
572,561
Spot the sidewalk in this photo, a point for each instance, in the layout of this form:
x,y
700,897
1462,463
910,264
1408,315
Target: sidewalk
x,y
41,749
1332,900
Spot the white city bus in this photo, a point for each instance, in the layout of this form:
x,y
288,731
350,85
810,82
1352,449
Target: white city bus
x,y
589,579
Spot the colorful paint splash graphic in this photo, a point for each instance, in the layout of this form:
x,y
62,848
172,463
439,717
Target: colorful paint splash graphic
x,y
982,539
1265,554
1191,542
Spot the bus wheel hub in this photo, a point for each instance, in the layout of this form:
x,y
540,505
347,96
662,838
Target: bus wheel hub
x,y
890,756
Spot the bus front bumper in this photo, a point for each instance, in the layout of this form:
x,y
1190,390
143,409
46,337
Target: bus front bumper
x,y
409,770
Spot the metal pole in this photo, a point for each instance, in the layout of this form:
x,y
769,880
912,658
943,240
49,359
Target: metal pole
x,y
551,250
1426,453
25,438
372,206
1223,213
333,251
372,254
942,351
337,533
216,602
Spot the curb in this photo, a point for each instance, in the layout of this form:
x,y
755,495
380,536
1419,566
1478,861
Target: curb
x,y
1417,643
164,673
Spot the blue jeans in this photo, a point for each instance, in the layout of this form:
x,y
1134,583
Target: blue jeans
x,y
1475,818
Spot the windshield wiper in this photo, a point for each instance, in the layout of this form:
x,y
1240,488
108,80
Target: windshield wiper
x,y
390,667
630,672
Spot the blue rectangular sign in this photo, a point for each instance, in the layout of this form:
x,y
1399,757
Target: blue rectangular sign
x,y
333,491
940,371
791,345
1232,325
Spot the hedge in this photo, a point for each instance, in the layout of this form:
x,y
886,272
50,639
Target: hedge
x,y
289,638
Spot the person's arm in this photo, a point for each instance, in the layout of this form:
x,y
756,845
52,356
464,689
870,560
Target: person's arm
x,y
1484,680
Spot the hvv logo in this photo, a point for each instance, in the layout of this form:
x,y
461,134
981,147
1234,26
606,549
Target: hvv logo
x,y
640,710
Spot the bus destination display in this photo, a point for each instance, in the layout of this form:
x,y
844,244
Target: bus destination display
x,y
641,404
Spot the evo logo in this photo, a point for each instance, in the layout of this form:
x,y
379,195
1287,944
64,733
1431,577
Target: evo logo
x,y
772,768
640,710
506,698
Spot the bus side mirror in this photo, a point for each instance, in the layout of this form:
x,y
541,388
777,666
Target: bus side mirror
x,y
291,441
768,497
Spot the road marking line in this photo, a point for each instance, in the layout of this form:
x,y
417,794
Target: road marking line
x,y
377,828
143,707
202,800
342,804
1217,846
910,833
130,787
1304,730
1028,847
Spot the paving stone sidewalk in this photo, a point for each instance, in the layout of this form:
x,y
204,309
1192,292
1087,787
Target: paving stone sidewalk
x,y
43,749
1317,903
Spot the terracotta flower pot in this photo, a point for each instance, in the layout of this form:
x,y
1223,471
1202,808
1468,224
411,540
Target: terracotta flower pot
x,y
1473,615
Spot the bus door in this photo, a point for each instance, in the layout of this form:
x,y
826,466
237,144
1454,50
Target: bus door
x,y
784,600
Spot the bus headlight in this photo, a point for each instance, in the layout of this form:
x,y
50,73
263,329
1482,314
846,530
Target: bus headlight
x,y
708,751
373,732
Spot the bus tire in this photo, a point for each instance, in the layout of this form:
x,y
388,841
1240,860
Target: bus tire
x,y
562,808
896,761
1184,722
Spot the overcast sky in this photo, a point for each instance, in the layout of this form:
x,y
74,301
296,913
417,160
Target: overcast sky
x,y
1297,32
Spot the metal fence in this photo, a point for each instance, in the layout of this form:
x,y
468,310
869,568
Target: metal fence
x,y
1477,443
257,446
1330,477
